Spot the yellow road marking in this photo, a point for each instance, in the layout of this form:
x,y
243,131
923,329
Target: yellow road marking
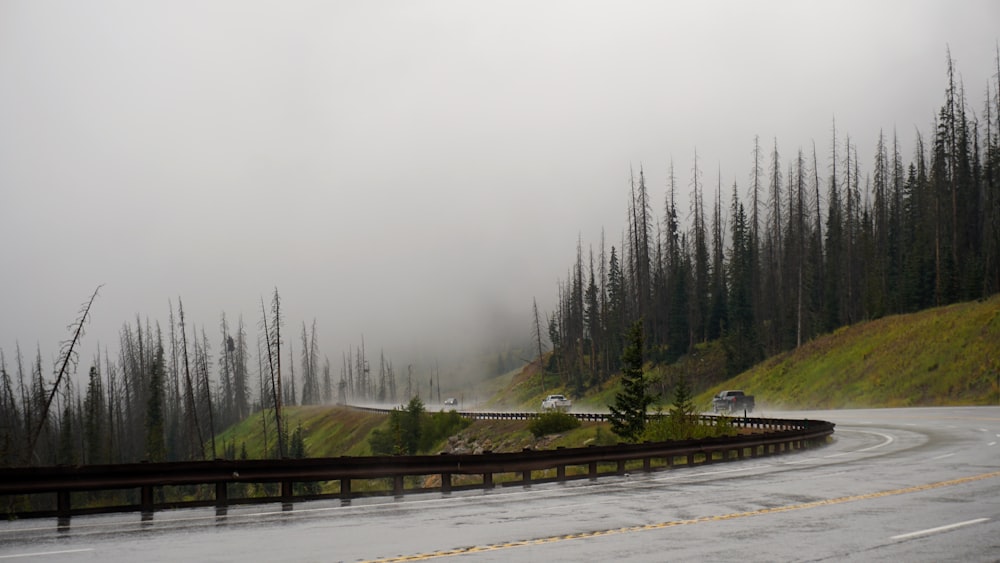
x,y
674,523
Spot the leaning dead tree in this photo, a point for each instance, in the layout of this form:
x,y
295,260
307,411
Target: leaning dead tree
x,y
194,427
537,333
67,356
273,339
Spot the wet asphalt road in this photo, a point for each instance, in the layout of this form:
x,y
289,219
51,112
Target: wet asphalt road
x,y
896,484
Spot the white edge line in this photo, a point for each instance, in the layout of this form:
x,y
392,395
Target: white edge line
x,y
942,456
43,553
938,529
888,440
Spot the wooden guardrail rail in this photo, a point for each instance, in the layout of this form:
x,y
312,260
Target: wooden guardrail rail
x,y
146,483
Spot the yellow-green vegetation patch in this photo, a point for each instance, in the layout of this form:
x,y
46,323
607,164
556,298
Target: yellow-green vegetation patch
x,y
328,431
943,356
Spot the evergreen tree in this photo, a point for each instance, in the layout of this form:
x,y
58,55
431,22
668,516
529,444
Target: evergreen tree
x,y
297,444
241,377
94,417
592,321
156,448
699,297
227,408
677,273
718,306
628,413
327,381
615,315
67,450
11,428
740,339
410,426
682,409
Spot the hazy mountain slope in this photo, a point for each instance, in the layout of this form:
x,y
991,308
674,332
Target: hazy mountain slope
x,y
944,356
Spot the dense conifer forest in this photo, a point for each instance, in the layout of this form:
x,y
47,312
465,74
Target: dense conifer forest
x,y
813,242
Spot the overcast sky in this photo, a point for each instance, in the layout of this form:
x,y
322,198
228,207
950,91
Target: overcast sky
x,y
409,171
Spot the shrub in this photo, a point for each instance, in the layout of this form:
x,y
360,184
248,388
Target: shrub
x,y
672,427
602,438
438,426
413,430
552,422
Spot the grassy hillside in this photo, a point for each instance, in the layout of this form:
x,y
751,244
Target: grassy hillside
x,y
327,431
704,367
944,356
331,431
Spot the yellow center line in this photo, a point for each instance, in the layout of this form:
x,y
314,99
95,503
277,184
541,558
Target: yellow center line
x,y
673,523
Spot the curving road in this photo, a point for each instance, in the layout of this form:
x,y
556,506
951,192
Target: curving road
x,y
917,484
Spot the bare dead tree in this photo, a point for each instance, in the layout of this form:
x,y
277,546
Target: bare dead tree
x,y
538,338
208,390
263,392
274,364
67,356
193,410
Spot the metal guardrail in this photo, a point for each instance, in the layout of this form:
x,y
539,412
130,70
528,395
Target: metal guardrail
x,y
765,424
518,468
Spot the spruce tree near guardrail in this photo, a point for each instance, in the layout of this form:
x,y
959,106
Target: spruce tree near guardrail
x,y
628,413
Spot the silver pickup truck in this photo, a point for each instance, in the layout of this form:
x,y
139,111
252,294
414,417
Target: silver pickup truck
x,y
556,403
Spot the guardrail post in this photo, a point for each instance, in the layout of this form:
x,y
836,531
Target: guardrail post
x,y
690,459
345,489
621,467
647,464
146,502
221,495
592,470
62,508
526,478
488,480
561,473
446,483
397,486
286,495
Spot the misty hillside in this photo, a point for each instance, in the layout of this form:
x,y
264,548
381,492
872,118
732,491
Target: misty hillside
x,y
819,239
942,356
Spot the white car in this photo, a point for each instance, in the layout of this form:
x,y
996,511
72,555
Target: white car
x,y
451,402
556,403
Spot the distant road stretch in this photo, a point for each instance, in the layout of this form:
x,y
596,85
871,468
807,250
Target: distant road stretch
x,y
896,484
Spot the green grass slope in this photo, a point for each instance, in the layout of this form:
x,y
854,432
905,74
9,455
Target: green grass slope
x,y
944,356
327,431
